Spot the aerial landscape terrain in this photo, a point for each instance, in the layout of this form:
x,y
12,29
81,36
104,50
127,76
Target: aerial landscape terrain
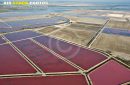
x,y
65,43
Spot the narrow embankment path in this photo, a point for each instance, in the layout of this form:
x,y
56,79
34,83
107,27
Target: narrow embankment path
x,y
96,35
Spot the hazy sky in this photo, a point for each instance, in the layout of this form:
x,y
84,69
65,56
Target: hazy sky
x,y
75,0
96,0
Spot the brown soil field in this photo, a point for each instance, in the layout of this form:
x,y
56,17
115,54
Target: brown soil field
x,y
78,32
85,26
47,30
118,45
119,24
77,36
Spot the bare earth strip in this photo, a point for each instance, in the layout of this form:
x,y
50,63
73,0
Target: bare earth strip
x,y
86,20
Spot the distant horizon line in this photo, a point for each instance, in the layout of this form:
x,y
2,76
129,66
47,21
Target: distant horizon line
x,y
95,2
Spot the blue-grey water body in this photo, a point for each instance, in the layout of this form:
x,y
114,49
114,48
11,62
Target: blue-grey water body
x,y
116,31
31,24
